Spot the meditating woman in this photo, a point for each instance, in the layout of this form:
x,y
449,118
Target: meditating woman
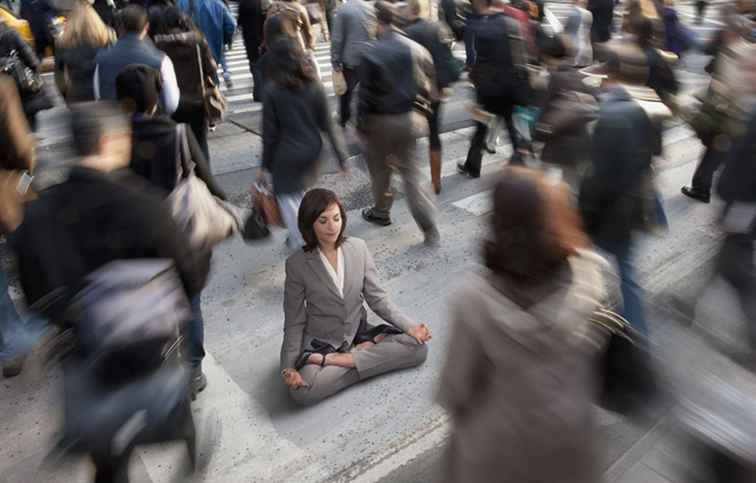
x,y
328,344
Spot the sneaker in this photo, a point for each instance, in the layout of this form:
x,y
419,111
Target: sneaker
x,y
371,217
227,80
696,194
199,381
14,367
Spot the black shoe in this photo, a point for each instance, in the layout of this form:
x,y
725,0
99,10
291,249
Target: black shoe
x,y
462,169
698,195
371,217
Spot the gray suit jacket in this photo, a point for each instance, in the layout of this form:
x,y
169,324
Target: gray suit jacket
x,y
313,308
351,32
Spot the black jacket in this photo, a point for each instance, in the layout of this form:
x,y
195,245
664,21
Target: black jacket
x,y
293,120
429,35
251,20
612,197
89,220
153,154
737,183
389,76
80,63
603,16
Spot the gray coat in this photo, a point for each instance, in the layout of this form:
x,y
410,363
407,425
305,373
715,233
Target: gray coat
x,y
353,27
520,379
313,308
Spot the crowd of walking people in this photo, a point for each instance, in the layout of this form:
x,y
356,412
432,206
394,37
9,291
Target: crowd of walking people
x,y
115,257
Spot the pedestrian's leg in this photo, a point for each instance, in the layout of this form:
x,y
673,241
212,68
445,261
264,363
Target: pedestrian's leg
x,y
704,175
200,127
434,128
735,264
700,9
288,206
469,38
196,333
380,171
111,469
632,294
513,136
345,101
475,154
420,204
226,73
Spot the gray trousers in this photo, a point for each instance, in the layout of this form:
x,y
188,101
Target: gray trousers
x,y
390,143
393,353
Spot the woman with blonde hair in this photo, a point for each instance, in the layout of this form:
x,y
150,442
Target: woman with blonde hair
x,y
84,36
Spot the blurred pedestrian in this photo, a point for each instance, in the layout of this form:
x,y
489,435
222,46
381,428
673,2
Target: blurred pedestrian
x,y
603,21
133,48
569,106
431,36
32,100
616,197
328,344
214,20
520,380
395,74
578,30
353,28
76,227
16,165
498,87
251,19
39,14
700,10
295,115
186,47
84,37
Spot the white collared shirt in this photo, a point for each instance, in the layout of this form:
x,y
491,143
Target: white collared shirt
x,y
336,275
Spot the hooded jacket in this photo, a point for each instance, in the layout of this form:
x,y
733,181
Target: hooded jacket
x,y
521,382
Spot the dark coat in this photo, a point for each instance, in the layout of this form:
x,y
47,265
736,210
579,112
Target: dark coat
x,y
611,196
79,63
89,220
737,182
429,35
251,19
153,154
293,120
181,48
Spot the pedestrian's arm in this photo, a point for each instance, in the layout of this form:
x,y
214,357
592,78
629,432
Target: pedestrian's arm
x,y
295,317
377,298
337,40
170,93
270,132
309,36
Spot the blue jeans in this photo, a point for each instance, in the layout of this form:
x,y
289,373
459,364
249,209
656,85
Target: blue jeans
x,y
196,333
11,326
632,294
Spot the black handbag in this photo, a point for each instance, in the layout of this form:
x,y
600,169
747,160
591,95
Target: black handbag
x,y
627,381
27,79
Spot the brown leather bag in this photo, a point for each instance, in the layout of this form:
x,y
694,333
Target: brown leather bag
x,y
265,203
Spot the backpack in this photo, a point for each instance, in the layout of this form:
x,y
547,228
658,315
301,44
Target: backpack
x,y
129,313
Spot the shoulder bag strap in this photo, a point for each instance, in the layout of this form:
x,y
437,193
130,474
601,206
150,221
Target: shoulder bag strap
x,y
201,73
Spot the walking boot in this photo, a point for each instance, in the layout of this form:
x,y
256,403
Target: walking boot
x,y
435,167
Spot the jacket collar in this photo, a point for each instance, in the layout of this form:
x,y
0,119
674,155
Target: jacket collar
x,y
316,265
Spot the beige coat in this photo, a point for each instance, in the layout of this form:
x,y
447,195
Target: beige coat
x,y
519,382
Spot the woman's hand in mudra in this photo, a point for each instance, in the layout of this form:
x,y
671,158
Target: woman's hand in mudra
x,y
421,333
293,379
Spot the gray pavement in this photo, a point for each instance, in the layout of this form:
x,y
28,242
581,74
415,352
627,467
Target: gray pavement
x,y
388,429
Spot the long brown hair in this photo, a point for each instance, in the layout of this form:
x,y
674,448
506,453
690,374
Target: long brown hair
x,y
535,226
85,27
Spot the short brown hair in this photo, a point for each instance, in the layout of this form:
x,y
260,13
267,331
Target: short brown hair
x,y
535,227
314,203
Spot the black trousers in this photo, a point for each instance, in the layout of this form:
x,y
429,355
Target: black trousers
x,y
252,47
196,118
704,174
700,10
434,125
475,154
345,101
